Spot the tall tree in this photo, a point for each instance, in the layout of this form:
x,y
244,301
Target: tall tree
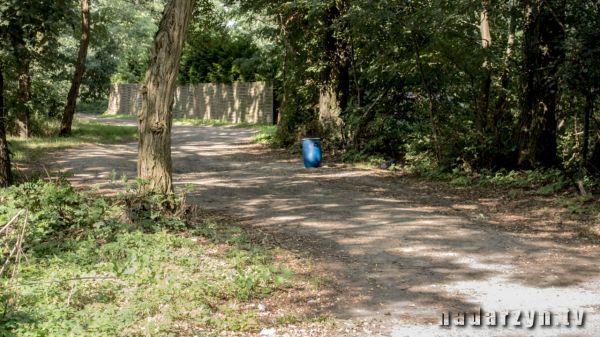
x,y
5,174
543,55
583,68
23,57
69,112
155,117
484,92
27,29
333,97
508,55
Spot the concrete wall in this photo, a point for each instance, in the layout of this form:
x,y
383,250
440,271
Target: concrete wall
x,y
250,102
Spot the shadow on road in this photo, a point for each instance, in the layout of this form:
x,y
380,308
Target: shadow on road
x,y
391,246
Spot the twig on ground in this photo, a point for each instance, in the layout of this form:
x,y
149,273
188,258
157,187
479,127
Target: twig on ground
x,y
6,227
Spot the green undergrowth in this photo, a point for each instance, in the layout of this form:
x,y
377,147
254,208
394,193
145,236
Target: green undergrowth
x,y
543,182
132,265
265,134
94,107
83,132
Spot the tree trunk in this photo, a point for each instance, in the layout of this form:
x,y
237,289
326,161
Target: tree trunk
x,y
593,165
544,54
589,109
335,82
155,117
502,122
483,101
5,174
505,77
24,90
432,106
69,112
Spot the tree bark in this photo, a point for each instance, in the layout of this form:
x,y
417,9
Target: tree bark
x,y
24,89
155,117
432,106
501,119
589,109
5,173
483,101
593,165
69,112
505,77
544,54
335,78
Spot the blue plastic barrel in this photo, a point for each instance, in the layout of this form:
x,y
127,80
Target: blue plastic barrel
x,y
311,152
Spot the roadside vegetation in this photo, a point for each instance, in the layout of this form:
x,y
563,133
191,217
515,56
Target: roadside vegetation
x,y
136,263
84,132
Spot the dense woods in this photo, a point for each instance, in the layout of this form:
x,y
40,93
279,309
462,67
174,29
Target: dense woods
x,y
452,163
443,85
476,84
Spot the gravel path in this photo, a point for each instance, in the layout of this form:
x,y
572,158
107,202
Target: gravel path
x,y
400,260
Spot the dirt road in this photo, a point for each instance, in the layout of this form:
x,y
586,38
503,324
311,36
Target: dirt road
x,y
400,259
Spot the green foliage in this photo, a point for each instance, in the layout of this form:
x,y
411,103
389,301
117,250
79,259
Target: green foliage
x,y
101,64
93,269
416,76
415,70
220,58
265,134
543,182
98,106
132,27
33,36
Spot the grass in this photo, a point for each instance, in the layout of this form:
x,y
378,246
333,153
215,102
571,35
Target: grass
x,y
264,135
125,117
93,269
83,132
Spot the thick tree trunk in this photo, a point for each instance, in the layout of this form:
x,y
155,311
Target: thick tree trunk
x,y
24,90
155,118
5,174
335,82
544,34
69,112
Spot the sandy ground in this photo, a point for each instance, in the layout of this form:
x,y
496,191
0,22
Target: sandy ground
x,y
399,258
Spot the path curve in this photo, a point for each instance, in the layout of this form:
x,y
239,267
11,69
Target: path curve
x,y
401,260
